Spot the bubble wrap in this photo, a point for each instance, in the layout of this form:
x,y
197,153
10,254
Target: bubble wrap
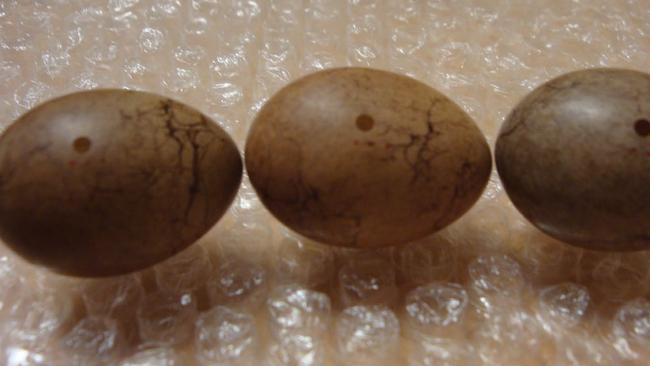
x,y
488,290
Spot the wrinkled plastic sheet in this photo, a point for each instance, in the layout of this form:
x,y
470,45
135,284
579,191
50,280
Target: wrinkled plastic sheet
x,y
490,289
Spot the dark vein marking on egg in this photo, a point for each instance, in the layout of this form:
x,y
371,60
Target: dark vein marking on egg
x,y
420,165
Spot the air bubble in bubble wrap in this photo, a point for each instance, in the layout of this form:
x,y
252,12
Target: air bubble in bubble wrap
x,y
248,239
303,262
297,350
35,317
298,320
185,272
153,357
23,356
620,276
367,282
151,39
432,309
28,94
440,352
430,259
495,280
225,336
563,305
118,6
631,329
10,283
297,310
247,202
510,337
93,341
115,296
367,335
238,282
584,349
166,320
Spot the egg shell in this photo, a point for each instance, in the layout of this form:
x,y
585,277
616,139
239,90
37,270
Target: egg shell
x,y
574,158
360,157
106,182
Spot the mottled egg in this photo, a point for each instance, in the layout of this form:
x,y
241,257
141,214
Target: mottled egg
x,y
106,182
365,158
574,157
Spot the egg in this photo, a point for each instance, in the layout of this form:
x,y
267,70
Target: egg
x,y
106,182
574,158
365,158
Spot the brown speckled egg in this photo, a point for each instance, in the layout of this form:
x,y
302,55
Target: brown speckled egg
x,y
365,158
106,182
574,157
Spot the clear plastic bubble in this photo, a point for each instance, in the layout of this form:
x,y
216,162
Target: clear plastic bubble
x,y
181,80
563,305
428,260
432,307
440,352
238,282
303,262
30,93
229,65
55,61
297,350
584,349
247,205
165,9
112,296
9,71
10,283
226,94
153,357
93,341
225,336
197,26
166,320
189,54
185,272
23,356
101,51
249,239
495,280
620,276
367,335
151,39
631,329
510,338
119,6
368,282
298,319
38,316
297,310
